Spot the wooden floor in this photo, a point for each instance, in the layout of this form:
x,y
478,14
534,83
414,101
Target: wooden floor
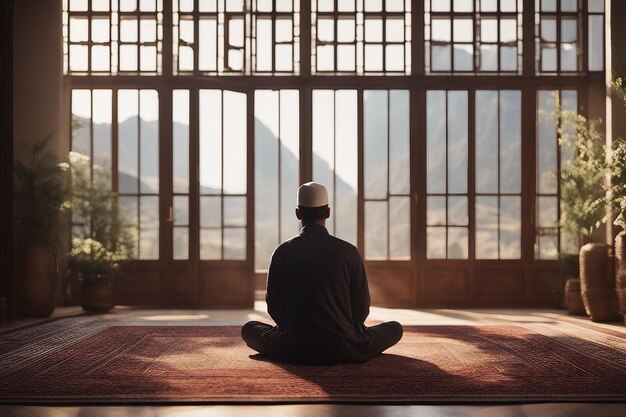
x,y
407,317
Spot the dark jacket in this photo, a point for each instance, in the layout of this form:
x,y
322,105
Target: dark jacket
x,y
318,296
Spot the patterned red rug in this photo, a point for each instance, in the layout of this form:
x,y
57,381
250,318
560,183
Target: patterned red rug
x,y
533,362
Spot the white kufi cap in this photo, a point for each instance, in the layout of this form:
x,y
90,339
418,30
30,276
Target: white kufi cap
x,y
312,194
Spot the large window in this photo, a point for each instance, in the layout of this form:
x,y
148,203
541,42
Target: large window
x,y
430,122
361,36
468,36
550,156
227,37
112,36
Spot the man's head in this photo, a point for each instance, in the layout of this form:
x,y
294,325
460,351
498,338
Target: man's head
x,y
312,204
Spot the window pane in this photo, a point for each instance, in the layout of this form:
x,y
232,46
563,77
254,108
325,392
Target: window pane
x,y
128,146
234,139
436,211
400,228
181,242
81,121
376,230
346,167
102,130
181,210
510,228
486,227
436,141
210,244
235,211
436,242
399,142
457,211
211,212
376,142
210,141
457,141
510,141
180,147
149,227
547,145
335,132
207,43
486,141
149,149
235,243
266,176
596,43
457,243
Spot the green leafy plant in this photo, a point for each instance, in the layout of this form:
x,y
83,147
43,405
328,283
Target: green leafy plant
x,y
93,259
40,190
617,165
101,240
583,175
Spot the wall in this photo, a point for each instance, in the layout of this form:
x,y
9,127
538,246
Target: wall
x,y
6,157
37,72
37,80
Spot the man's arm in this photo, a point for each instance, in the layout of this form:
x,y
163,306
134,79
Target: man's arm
x,y
359,292
275,290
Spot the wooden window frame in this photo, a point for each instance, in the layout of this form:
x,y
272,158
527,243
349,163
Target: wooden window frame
x,y
421,273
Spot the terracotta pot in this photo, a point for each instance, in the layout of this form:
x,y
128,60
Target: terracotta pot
x,y
597,282
573,298
97,294
39,279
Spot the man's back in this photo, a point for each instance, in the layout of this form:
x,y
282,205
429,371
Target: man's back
x,y
317,293
318,296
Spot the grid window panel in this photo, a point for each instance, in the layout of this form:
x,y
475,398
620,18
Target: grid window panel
x,y
549,239
386,174
558,36
138,165
180,173
447,221
236,37
335,160
498,174
473,37
91,144
276,175
595,36
361,37
223,171
112,37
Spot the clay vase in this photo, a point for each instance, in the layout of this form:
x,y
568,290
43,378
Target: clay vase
x,y
39,279
97,294
573,298
597,282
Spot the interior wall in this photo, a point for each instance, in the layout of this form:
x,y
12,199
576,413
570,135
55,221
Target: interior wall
x,y
37,83
38,70
6,158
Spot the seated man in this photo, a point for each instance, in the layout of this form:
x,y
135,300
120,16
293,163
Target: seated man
x,y
318,296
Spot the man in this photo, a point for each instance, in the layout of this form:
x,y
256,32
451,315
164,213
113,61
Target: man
x,y
318,296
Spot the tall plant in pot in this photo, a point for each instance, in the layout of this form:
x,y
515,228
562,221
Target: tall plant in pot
x,y
583,194
618,201
39,193
101,241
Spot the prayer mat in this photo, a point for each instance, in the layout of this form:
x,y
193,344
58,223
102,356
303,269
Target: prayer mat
x,y
108,363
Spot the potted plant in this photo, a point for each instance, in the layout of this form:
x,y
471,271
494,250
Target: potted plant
x,y
617,169
39,193
583,195
100,240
